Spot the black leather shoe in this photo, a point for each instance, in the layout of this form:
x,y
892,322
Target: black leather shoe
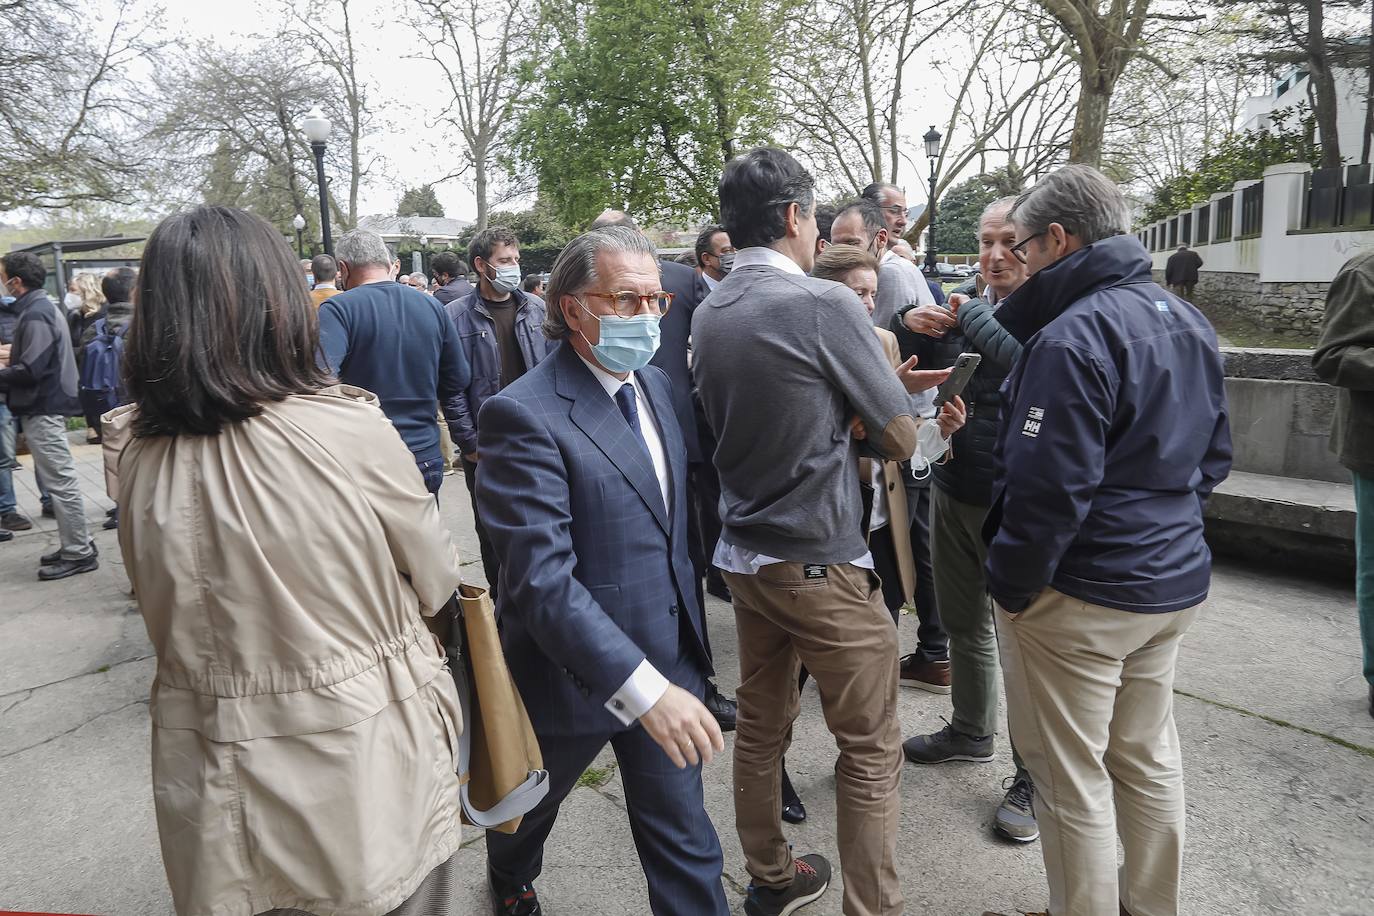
x,y
722,707
5,536
716,587
793,811
520,900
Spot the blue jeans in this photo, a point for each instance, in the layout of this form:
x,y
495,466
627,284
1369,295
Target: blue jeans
x,y
8,503
433,473
1364,567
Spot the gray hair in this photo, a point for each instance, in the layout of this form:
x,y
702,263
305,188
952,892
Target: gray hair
x,y
613,218
1002,205
1079,198
362,248
575,269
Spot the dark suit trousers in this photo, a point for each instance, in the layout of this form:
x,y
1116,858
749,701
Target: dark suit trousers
x,y
932,642
676,841
491,564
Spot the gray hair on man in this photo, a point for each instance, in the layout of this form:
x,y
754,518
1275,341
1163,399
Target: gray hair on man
x,y
574,271
1001,208
1078,197
362,248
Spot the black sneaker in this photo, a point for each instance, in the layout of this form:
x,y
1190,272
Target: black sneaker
x,y
811,881
724,709
520,900
947,744
13,521
1015,817
64,568
51,559
5,536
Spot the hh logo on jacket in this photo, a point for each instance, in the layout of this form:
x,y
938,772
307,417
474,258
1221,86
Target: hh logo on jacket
x,y
1032,426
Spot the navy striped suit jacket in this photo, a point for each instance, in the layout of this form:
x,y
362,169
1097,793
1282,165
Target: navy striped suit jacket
x,y
595,575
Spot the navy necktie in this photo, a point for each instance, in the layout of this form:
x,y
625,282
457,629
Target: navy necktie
x,y
626,401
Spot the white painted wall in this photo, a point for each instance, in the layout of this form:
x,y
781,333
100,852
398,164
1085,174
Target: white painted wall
x,y
1278,255
1350,89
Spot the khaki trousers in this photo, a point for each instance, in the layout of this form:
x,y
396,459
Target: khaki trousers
x,y
445,443
835,623
1090,706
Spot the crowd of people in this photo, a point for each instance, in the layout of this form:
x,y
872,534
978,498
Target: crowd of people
x,y
768,427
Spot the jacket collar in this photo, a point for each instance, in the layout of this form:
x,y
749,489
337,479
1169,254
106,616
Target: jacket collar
x,y
1048,294
597,415
474,300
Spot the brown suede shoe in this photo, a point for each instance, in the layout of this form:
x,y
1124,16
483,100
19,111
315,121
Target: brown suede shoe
x,y
931,676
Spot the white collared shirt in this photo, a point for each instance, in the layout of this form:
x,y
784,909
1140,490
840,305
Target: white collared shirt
x,y
767,257
711,282
329,285
646,685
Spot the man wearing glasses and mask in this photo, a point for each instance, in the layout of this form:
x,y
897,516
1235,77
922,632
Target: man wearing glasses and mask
x,y
583,493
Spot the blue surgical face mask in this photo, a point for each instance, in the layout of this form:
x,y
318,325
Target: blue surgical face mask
x,y
505,279
6,299
309,279
625,344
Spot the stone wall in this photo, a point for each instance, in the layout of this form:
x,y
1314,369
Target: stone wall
x,y
1291,309
1280,414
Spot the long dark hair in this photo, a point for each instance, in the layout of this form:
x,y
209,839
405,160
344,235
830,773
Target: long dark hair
x,y
222,324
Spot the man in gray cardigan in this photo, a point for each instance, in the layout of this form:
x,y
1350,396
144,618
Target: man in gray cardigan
x,y
785,365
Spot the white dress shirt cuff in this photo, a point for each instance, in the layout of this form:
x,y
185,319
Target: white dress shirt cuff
x,y
641,690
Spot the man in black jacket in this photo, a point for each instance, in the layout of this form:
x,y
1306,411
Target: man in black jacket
x,y
40,383
960,501
1180,271
451,274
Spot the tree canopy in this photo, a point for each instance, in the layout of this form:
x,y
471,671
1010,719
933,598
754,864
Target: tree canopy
x,y
420,201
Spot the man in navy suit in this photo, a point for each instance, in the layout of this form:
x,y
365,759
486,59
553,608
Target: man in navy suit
x,y
675,331
583,493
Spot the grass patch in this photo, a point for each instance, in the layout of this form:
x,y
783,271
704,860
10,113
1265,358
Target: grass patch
x,y
595,777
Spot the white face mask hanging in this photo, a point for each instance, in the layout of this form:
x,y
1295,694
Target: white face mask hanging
x,y
930,447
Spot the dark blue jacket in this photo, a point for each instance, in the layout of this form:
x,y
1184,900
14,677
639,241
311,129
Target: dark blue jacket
x,y
1114,435
595,576
675,329
477,337
398,343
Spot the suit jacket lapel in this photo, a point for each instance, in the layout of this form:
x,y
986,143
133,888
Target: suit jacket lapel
x,y
661,403
597,415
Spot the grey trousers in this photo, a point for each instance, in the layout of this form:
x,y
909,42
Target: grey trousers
x,y
959,555
53,464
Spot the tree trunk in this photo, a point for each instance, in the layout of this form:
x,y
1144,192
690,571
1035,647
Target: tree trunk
x,y
1323,86
1090,122
479,166
1369,94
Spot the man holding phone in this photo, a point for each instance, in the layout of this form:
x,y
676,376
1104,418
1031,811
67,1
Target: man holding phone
x,y
961,496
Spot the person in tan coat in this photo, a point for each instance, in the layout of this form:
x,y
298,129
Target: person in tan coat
x,y
285,556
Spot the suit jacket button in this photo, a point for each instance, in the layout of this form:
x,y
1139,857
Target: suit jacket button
x,y
586,692
673,610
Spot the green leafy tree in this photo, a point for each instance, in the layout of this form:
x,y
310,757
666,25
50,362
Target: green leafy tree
x,y
643,101
420,201
1238,158
960,210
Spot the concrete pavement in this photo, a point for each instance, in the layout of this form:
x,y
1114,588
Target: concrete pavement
x,y
1279,758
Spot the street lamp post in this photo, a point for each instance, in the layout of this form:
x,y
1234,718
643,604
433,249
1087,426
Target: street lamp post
x,y
299,224
932,142
417,258
317,128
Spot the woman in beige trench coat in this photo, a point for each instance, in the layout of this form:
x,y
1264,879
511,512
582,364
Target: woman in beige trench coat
x,y
284,553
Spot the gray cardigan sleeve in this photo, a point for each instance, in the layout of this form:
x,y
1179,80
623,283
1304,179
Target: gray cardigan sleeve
x,y
978,321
